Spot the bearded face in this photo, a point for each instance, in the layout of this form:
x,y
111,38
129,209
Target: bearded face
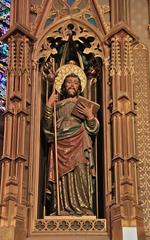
x,y
71,86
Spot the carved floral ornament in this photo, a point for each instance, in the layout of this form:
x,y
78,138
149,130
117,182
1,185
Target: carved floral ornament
x,y
81,38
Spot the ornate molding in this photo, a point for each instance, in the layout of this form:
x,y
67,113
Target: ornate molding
x,y
74,225
141,90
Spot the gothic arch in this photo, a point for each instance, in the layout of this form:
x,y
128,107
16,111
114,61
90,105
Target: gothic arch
x,y
67,20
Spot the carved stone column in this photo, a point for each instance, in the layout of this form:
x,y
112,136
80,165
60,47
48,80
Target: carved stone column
x,y
125,208
126,212
14,179
16,139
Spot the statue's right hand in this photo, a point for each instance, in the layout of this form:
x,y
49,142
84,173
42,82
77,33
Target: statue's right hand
x,y
53,99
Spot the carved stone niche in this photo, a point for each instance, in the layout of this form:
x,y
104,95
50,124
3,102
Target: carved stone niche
x,y
69,41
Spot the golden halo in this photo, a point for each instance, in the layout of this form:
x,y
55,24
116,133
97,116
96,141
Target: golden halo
x,y
66,70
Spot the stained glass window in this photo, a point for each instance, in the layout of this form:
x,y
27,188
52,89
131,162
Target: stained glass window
x,y
4,25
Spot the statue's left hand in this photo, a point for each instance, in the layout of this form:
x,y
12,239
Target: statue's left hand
x,y
87,111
